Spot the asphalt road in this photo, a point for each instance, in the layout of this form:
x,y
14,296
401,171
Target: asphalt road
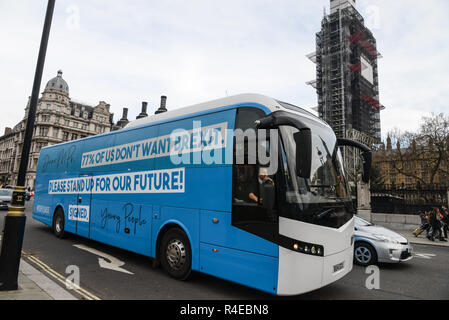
x,y
424,277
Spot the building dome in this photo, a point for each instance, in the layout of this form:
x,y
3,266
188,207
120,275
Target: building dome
x,y
58,83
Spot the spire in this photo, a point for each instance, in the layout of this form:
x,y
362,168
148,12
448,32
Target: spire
x,y
389,143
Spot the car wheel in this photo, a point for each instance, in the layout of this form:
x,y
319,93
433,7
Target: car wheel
x,y
59,223
175,254
364,254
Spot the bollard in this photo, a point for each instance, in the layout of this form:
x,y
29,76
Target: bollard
x,y
11,250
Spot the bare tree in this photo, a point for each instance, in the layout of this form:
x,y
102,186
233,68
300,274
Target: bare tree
x,y
429,147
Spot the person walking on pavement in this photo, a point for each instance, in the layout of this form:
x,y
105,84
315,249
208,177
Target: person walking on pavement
x,y
435,223
425,226
445,220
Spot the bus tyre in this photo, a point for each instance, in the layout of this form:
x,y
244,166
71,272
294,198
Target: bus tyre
x,y
59,223
176,254
364,254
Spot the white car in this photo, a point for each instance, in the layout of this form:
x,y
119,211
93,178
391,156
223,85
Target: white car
x,y
5,198
375,244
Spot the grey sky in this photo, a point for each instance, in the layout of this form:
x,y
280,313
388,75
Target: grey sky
x,y
125,52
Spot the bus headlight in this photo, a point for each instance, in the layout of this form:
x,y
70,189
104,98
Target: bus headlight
x,y
311,249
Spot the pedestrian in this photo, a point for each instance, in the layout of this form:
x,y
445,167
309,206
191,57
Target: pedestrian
x,y
435,224
425,226
445,220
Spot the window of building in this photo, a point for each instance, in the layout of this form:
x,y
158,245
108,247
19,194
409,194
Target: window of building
x,y
65,136
425,177
393,179
74,136
43,131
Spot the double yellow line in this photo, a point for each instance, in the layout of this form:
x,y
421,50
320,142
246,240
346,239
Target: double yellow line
x,y
60,278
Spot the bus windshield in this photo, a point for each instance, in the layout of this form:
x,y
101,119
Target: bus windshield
x,y
324,199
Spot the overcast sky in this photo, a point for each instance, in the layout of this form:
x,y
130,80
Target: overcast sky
x,y
126,52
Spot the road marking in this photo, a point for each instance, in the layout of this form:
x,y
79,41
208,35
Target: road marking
x,y
113,264
45,283
425,255
60,278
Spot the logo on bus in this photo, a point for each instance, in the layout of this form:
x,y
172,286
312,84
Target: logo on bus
x,y
79,213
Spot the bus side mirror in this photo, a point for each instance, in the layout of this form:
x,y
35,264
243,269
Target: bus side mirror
x,y
365,154
303,140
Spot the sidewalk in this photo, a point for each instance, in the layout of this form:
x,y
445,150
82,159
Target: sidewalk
x,y
34,285
422,240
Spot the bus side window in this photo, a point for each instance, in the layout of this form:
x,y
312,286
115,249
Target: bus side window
x,y
248,211
246,186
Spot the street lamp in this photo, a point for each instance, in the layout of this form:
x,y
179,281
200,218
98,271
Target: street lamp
x,y
14,229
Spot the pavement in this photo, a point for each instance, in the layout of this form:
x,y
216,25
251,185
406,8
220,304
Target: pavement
x,y
421,239
35,285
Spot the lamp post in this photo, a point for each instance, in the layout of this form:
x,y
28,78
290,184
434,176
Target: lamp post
x,y
14,229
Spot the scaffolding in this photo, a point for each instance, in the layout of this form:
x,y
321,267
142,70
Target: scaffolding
x,y
347,80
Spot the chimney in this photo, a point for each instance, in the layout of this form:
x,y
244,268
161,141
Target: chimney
x,y
143,114
125,114
124,120
163,107
7,130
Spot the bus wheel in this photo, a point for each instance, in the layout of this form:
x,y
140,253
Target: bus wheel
x,y
364,254
176,254
58,223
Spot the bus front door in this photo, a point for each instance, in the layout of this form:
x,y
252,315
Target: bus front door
x,y
83,213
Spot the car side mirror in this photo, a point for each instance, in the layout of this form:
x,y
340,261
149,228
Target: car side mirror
x,y
303,140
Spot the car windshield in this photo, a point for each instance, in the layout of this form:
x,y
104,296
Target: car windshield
x,y
6,192
323,199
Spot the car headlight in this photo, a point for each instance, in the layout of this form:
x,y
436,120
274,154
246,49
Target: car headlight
x,y
385,239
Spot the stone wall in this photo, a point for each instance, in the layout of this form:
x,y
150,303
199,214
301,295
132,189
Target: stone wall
x,y
396,221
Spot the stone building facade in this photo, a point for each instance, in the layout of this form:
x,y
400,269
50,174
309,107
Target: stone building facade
x,y
414,170
58,119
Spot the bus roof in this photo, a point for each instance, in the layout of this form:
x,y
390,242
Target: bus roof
x,y
250,98
270,103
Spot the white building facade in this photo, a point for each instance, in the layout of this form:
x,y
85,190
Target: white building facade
x,y
58,119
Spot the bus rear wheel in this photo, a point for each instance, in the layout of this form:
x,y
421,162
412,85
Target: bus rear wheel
x,y
59,223
176,254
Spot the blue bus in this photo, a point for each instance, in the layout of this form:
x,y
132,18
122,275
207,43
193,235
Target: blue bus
x,y
170,187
